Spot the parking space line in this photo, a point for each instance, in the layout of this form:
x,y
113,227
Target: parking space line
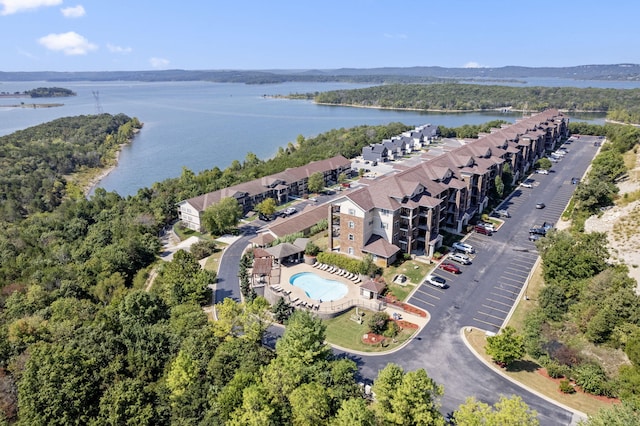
x,y
516,275
509,305
489,315
502,277
505,290
496,309
510,285
421,301
503,296
485,322
427,294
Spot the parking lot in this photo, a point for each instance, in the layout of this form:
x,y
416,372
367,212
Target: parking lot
x,y
485,291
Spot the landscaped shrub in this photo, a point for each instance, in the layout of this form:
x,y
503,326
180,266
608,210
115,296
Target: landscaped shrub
x,y
591,378
392,329
566,386
203,248
340,261
555,370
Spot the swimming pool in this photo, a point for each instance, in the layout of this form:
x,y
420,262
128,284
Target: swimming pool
x,y
318,288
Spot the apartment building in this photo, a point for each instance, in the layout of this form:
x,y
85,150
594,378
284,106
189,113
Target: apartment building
x,y
291,183
405,212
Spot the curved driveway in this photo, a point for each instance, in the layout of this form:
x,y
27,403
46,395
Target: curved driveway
x,y
438,347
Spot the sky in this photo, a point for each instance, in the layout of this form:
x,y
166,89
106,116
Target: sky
x,y
129,35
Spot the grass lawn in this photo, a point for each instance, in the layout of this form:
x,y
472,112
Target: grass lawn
x,y
526,373
214,259
344,332
414,270
184,233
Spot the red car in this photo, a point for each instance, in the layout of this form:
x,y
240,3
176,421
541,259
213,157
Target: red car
x,y
450,267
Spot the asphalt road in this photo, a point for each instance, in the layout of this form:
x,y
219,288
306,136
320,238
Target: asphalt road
x,y
483,295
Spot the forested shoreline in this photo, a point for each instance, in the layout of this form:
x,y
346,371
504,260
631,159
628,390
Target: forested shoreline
x,y
621,105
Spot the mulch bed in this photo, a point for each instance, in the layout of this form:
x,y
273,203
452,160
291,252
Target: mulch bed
x,y
375,339
543,372
392,300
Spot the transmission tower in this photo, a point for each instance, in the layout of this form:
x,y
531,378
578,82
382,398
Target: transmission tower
x,y
96,97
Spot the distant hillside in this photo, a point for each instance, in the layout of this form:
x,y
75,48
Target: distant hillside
x,y
618,72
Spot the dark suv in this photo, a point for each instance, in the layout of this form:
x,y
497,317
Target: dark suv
x,y
539,231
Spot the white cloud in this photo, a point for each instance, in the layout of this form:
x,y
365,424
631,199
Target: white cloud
x,y
472,65
70,43
159,62
396,36
118,49
73,12
10,7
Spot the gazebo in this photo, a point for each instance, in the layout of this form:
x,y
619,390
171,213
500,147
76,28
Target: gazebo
x,y
261,272
286,251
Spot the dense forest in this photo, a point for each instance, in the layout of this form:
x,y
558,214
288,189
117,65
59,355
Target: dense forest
x,y
473,97
83,341
34,162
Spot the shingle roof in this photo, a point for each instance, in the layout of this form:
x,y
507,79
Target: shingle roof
x,y
380,247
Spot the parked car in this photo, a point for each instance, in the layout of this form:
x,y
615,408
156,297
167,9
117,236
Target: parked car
x,y
266,217
290,210
463,247
547,226
460,258
503,213
540,205
552,159
538,231
526,185
575,180
450,267
534,237
542,171
436,281
482,230
488,226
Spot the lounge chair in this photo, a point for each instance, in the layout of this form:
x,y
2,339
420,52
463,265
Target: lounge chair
x,y
324,267
294,300
315,265
287,292
330,269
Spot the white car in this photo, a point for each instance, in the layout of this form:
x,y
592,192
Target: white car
x,y
290,210
542,171
436,281
460,258
463,247
488,226
526,185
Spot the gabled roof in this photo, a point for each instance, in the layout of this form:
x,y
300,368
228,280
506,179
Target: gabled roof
x,y
380,247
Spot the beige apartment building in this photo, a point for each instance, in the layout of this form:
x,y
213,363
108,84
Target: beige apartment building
x,y
405,212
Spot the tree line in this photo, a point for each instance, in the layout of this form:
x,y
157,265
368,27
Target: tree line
x,y
476,97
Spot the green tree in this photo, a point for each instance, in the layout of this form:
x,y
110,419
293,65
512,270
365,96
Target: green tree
x,y
505,347
507,411
316,182
617,415
281,310
266,206
498,185
222,216
128,401
544,163
354,412
59,386
310,405
407,399
256,409
304,339
632,348
378,322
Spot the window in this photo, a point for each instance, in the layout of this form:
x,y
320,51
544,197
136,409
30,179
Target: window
x,y
384,225
384,212
350,250
351,237
351,224
352,212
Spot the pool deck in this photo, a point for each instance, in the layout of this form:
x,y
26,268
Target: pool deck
x,y
286,272
326,308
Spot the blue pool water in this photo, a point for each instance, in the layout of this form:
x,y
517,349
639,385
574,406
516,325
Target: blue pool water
x,y
319,288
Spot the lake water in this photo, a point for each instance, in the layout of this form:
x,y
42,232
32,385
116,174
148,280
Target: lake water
x,y
200,125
